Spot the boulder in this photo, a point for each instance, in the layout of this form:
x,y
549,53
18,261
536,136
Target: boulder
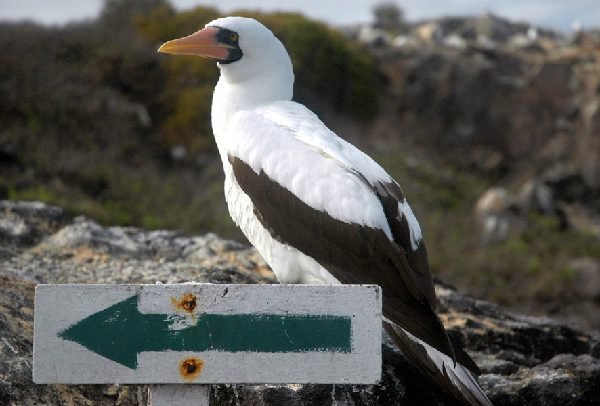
x,y
524,360
498,215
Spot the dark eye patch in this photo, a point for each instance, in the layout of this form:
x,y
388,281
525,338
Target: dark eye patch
x,y
228,37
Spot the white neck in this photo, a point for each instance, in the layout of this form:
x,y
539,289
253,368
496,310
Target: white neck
x,y
230,98
245,87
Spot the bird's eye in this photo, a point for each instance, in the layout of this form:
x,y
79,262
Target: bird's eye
x,y
233,37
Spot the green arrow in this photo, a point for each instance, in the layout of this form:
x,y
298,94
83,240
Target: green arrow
x,y
120,332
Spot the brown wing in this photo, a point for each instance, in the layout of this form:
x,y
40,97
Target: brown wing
x,y
390,195
352,253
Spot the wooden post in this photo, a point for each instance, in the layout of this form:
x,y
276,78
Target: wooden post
x,y
179,395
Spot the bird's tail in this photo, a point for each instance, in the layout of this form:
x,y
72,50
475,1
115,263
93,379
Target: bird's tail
x,y
452,377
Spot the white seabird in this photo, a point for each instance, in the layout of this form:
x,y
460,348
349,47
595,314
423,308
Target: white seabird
x,y
318,209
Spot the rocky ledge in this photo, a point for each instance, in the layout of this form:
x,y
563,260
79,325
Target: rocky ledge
x,y
525,360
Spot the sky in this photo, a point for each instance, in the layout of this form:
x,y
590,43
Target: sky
x,y
559,14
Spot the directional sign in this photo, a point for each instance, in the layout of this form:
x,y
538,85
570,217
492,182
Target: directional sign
x,y
120,332
204,333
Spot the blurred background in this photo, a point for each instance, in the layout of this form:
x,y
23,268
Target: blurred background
x,y
486,112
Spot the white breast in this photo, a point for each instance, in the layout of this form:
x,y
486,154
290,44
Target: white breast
x,y
289,264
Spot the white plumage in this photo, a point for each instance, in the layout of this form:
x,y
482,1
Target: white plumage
x,y
320,174
284,166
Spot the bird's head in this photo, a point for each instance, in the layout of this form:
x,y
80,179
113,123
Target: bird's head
x,y
242,47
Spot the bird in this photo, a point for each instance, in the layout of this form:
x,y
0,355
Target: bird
x,y
318,209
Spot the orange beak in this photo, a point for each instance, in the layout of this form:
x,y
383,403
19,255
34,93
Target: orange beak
x,y
202,43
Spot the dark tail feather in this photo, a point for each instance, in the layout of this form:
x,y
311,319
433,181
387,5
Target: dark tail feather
x,y
452,377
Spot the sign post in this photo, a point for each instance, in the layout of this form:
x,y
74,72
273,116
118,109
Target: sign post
x,y
204,334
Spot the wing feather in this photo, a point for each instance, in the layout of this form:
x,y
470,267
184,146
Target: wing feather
x,y
333,203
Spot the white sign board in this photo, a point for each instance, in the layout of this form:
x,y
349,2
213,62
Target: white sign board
x,y
205,333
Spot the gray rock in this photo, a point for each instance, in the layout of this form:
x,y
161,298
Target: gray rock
x,y
587,277
23,224
524,360
138,243
566,379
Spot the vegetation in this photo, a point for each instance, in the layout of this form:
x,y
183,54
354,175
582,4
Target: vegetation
x,y
390,17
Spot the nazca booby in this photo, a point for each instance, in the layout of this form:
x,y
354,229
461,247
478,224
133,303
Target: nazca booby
x,y
318,209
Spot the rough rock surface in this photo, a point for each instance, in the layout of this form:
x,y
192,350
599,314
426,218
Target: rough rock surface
x,y
525,360
512,100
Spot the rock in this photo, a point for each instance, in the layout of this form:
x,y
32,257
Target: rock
x,y
550,383
400,41
536,197
524,360
455,41
25,223
484,82
558,193
487,27
429,32
587,277
581,218
124,241
372,36
498,215
568,185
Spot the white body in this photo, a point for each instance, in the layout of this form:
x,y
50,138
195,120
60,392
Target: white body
x,y
255,120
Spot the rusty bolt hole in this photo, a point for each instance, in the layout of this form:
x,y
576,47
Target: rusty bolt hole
x,y
186,303
190,368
